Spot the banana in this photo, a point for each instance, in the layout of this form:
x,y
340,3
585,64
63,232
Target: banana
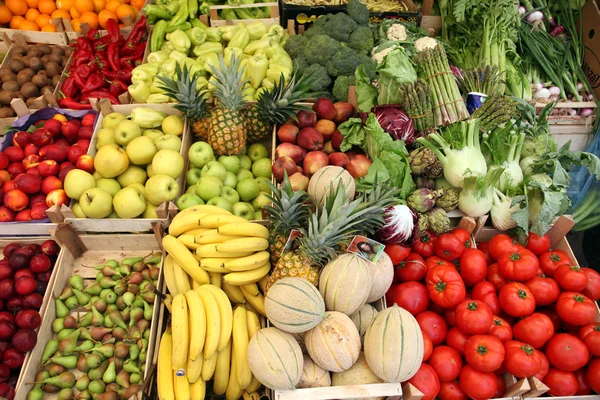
x,y
170,276
247,263
215,279
215,221
189,241
263,284
208,368
225,313
198,389
185,259
243,245
205,208
166,390
182,279
196,232
254,385
210,250
197,322
234,293
221,376
182,387
213,323
256,300
194,369
251,288
195,285
245,229
209,265
169,302
250,395
181,333
212,236
253,324
185,222
240,346
250,308
243,278
233,387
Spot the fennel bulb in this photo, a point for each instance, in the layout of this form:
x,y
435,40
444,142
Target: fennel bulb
x,y
501,211
477,197
512,175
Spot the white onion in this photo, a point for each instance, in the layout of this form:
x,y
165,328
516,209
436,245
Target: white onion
x,y
590,97
580,86
555,90
586,112
572,112
542,93
522,11
535,16
539,86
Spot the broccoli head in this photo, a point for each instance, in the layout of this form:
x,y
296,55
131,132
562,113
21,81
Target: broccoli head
x,y
369,64
320,49
295,45
320,77
341,86
322,21
344,62
361,40
314,31
358,12
300,64
340,26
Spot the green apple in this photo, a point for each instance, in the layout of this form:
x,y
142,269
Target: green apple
x,y
111,161
200,153
105,136
168,162
78,181
77,210
141,150
150,211
245,162
149,171
126,131
113,215
257,151
97,175
244,210
113,120
152,133
230,194
191,189
168,142
133,174
230,180
129,203
220,202
193,176
188,200
263,184
172,125
247,189
260,201
262,167
208,187
110,185
161,188
244,174
231,163
214,168
141,188
258,215
96,203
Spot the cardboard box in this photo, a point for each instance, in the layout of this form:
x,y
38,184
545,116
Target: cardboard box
x,y
591,42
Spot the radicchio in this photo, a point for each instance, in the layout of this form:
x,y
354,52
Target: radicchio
x,y
395,122
400,225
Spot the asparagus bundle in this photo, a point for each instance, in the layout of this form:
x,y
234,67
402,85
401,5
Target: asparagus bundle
x,y
416,101
486,80
448,104
496,110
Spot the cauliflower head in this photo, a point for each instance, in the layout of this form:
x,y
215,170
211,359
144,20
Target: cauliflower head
x,y
425,43
397,32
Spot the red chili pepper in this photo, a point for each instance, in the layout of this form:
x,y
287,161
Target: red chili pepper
x,y
84,71
113,56
94,82
122,75
113,30
136,54
127,65
93,35
79,81
69,87
100,94
83,45
137,32
117,87
68,102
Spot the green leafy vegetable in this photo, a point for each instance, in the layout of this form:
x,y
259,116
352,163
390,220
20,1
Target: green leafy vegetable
x,y
365,91
395,70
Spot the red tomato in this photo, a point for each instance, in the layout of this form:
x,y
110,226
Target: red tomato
x,y
593,375
592,289
550,260
445,286
476,384
473,317
545,290
520,265
451,391
516,300
570,278
544,365
428,345
501,386
412,268
484,352
486,292
590,335
426,381
538,245
473,267
457,340
434,326
446,362
434,261
493,276
436,309
463,235
396,252
561,383
566,352
450,317
536,330
551,313
412,296
423,244
485,247
501,329
389,295
521,360
501,244
448,246
575,309
583,388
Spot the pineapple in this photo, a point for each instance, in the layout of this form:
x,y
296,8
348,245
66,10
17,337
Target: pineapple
x,y
200,127
227,131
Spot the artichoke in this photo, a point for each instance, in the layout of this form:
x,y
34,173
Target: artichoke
x,y
424,183
423,223
447,198
421,200
438,220
423,162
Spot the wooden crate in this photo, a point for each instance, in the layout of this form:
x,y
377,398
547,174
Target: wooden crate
x,y
37,37
273,8
77,254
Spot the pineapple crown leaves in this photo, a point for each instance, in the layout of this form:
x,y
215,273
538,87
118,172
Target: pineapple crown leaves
x,y
230,85
192,103
376,200
289,208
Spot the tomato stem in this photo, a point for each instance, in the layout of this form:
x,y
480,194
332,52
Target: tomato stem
x,y
440,286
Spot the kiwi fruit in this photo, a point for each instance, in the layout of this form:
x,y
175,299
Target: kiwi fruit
x,y
55,58
19,95
9,77
11,86
47,88
30,90
40,80
45,49
19,50
25,76
29,102
59,51
26,59
64,62
53,69
6,97
4,71
6,112
45,59
35,64
33,52
16,65
55,80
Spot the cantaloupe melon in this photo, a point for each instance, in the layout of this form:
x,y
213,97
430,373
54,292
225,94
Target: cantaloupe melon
x,y
394,345
345,283
300,339
275,359
294,305
319,184
313,376
363,319
359,374
334,344
382,276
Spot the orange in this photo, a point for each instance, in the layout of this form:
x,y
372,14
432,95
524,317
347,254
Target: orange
x,y
61,14
137,4
112,5
6,15
75,25
49,28
17,7
31,14
47,6
104,16
28,26
42,20
64,4
126,10
32,3
74,13
84,5
89,18
15,22
99,5
60,118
